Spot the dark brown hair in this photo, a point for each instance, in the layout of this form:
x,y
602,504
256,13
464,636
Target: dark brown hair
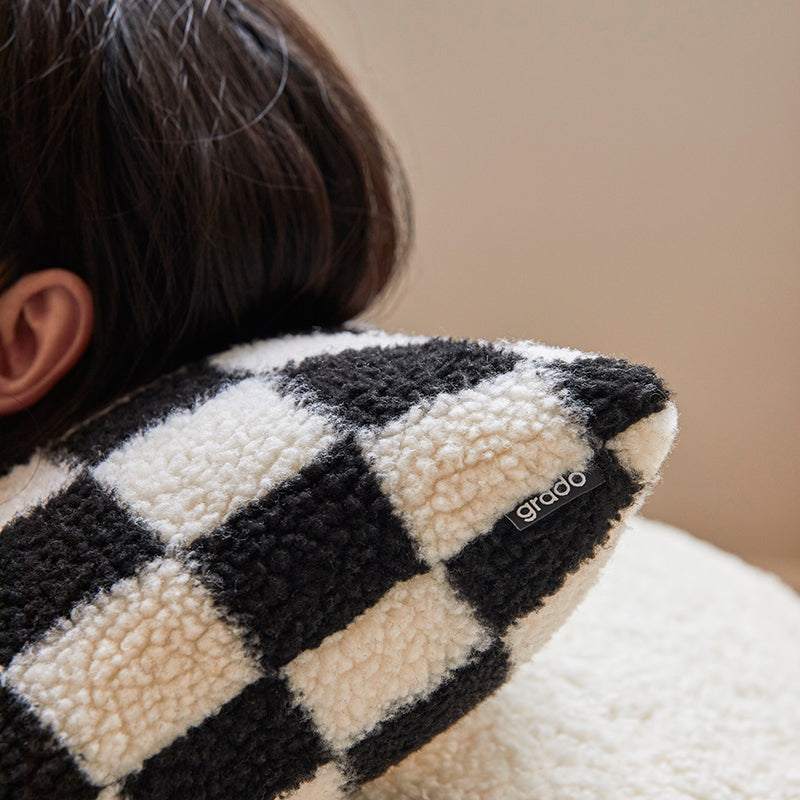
x,y
204,165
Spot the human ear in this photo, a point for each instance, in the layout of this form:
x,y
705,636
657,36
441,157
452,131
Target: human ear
x,y
46,321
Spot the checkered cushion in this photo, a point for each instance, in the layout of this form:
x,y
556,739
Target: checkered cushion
x,y
280,571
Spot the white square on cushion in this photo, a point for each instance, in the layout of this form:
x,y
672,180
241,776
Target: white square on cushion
x,y
30,485
261,357
399,650
643,446
133,670
325,785
452,467
535,350
190,473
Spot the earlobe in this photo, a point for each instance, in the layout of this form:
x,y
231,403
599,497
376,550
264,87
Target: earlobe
x,y
46,322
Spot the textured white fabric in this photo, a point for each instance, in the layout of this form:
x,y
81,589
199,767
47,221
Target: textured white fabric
x,y
645,444
678,677
30,484
260,357
353,680
323,786
141,664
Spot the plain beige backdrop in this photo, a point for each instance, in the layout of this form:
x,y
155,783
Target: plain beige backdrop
x,y
622,177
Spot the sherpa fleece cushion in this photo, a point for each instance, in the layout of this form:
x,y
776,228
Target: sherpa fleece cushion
x,y
280,571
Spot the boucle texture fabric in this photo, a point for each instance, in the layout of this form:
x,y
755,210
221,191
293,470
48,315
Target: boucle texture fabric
x,y
282,570
676,679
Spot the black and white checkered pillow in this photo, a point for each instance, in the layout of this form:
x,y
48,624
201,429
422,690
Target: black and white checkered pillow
x,y
279,572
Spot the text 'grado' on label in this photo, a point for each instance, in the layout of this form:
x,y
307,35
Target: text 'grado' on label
x,y
563,491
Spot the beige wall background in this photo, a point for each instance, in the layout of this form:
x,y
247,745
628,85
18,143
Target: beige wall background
x,y
621,177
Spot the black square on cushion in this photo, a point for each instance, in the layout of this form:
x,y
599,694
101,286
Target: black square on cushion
x,y
310,556
377,384
257,745
32,762
507,573
614,393
80,542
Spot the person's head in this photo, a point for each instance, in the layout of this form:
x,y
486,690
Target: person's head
x,y
175,176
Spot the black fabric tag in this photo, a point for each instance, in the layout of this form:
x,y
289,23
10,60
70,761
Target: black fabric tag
x,y
566,488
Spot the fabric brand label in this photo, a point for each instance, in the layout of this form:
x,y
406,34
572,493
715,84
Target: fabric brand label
x,y
563,491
